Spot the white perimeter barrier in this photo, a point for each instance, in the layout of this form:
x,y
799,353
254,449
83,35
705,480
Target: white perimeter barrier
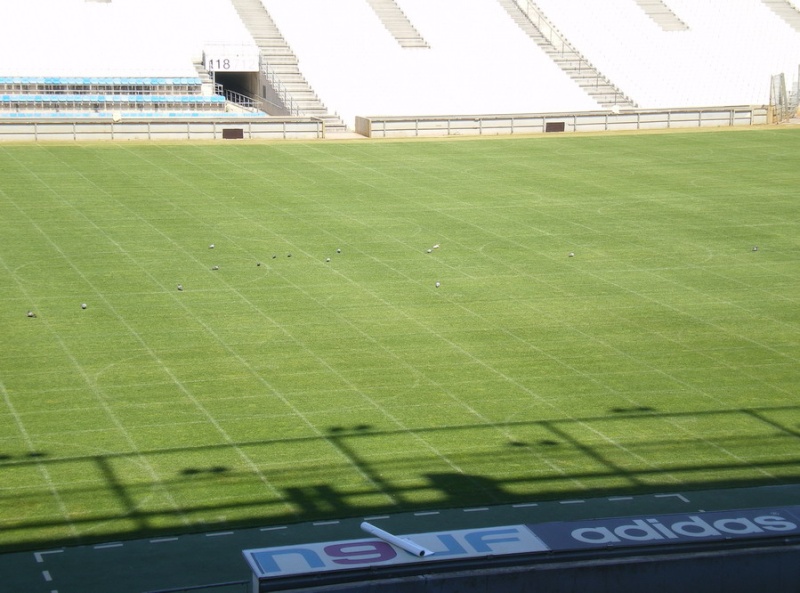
x,y
264,128
591,121
282,128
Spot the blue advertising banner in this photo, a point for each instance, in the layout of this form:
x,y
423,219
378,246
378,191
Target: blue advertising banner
x,y
636,531
374,552
669,529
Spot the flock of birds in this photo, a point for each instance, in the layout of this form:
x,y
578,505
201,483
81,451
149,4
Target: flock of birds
x,y
31,314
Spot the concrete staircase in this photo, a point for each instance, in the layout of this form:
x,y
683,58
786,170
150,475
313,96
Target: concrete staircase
x,y
662,15
206,82
397,23
531,19
787,11
280,66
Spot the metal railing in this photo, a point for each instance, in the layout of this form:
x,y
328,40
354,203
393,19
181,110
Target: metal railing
x,y
541,22
280,90
243,101
560,44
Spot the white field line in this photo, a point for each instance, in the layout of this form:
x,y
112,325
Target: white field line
x,y
643,297
480,362
155,357
793,327
177,382
62,507
604,279
674,423
502,429
245,364
39,556
92,386
590,377
606,387
668,375
314,355
722,449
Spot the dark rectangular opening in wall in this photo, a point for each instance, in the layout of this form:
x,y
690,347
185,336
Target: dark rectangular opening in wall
x,y
233,133
554,126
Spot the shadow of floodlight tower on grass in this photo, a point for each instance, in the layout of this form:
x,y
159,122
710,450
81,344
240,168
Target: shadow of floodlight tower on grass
x,y
374,471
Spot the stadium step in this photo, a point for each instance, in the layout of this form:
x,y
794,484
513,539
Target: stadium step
x,y
786,10
280,65
662,15
397,23
532,20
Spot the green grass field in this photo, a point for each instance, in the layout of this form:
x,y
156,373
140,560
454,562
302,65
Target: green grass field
x,y
664,355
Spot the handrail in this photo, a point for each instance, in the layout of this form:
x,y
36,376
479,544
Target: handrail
x,y
280,90
241,100
548,31
560,44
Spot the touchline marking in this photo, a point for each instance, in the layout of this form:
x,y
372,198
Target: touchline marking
x,y
39,555
46,575
680,496
41,468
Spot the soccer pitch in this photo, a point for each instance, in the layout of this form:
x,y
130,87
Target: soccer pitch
x,y
613,314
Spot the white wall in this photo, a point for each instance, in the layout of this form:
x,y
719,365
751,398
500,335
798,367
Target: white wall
x,y
120,38
479,60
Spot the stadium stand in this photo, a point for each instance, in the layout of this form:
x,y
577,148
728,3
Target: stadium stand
x,y
725,57
662,15
51,96
787,11
479,60
397,23
114,60
531,20
290,89
334,62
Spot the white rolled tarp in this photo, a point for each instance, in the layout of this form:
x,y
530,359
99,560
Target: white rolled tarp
x,y
400,542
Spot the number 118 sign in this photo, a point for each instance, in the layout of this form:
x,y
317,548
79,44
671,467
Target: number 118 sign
x,y
231,58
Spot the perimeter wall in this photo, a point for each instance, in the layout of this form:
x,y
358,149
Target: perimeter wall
x,y
42,129
278,128
592,121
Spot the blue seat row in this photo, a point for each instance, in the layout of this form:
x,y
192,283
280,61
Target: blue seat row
x,y
71,115
95,98
107,81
